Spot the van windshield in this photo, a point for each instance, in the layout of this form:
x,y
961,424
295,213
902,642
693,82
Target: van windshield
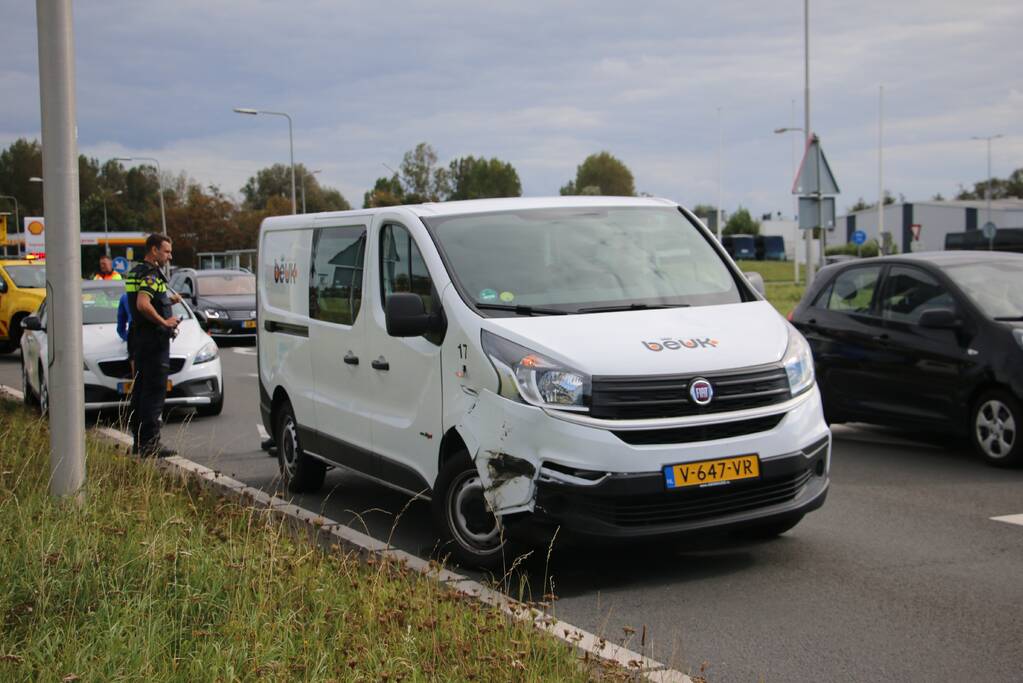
x,y
576,260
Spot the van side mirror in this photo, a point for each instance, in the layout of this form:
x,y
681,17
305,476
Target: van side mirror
x,y
757,280
940,319
31,322
406,315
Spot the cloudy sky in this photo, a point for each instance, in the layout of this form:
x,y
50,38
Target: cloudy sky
x,y
542,84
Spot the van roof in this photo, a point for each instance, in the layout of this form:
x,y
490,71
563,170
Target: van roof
x,y
472,206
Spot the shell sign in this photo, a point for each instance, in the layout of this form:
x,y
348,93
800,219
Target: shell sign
x,y
35,240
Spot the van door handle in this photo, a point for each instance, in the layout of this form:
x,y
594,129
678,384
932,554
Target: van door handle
x,y
351,358
380,364
883,338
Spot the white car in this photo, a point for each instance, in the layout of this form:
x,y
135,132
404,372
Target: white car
x,y
196,378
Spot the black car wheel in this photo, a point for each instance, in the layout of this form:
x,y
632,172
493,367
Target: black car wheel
x,y
995,425
28,396
300,472
468,530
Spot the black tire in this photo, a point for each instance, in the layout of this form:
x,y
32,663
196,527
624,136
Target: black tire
x,y
768,530
28,397
468,531
995,423
214,408
299,472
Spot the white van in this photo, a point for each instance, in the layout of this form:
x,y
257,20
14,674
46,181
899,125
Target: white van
x,y
596,364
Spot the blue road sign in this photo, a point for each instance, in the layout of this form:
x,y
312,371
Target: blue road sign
x,y
120,264
859,237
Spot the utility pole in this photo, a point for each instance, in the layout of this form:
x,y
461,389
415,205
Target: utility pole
x,y
720,137
880,167
806,123
63,248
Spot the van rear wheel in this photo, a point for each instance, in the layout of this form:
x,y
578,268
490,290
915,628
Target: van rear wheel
x,y
468,530
299,472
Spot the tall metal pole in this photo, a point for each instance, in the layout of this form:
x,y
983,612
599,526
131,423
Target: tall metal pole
x,y
291,144
718,218
106,230
795,201
63,248
880,165
806,123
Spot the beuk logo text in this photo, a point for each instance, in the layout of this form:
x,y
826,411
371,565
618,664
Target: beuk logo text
x,y
285,272
676,344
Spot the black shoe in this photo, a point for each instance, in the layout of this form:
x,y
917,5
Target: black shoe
x,y
267,444
158,450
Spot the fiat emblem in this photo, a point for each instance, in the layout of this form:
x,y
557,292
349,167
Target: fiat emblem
x,y
701,391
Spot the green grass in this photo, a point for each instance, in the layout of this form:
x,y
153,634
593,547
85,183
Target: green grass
x,y
781,291
154,580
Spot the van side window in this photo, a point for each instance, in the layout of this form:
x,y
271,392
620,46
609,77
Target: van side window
x,y
853,290
402,268
335,281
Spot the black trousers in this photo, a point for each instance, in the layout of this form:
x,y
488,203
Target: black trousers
x,y
152,365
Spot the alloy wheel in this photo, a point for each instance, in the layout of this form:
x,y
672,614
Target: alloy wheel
x,y
288,447
996,429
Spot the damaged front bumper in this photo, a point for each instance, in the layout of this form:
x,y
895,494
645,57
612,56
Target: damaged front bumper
x,y
591,481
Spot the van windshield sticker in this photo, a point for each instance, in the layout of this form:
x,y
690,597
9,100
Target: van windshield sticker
x,y
667,343
507,297
488,295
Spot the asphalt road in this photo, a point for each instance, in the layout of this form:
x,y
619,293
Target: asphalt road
x,y
901,576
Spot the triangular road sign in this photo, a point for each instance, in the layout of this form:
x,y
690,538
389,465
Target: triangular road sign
x,y
814,172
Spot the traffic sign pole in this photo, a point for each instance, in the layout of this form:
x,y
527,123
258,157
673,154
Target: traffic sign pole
x,y
63,250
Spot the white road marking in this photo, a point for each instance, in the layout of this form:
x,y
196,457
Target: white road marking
x,y
263,436
1009,519
244,350
16,393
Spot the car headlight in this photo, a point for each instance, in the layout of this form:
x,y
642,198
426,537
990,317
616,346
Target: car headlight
x,y
213,312
530,377
798,362
208,352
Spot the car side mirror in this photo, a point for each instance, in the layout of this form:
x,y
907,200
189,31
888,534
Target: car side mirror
x,y
940,319
31,322
3,286
757,280
406,315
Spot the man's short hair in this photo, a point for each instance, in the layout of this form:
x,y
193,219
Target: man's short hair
x,y
156,240
104,257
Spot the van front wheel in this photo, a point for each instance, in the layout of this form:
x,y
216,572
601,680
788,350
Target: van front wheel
x,y
299,472
468,530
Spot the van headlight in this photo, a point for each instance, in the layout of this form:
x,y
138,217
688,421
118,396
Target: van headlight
x,y
208,352
530,377
798,362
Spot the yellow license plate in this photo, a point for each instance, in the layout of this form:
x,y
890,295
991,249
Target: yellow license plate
x,y
249,324
125,387
709,472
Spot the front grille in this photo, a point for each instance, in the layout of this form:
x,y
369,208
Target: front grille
x,y
642,397
678,507
709,432
241,314
121,369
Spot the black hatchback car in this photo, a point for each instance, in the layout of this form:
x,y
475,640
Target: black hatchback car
x,y
930,341
224,299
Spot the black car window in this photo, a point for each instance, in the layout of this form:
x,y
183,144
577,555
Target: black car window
x,y
853,290
908,292
335,284
822,298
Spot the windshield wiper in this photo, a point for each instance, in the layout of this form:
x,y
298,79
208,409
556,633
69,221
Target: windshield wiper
x,y
1009,318
519,309
629,307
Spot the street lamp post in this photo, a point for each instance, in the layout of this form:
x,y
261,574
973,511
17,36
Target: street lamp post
x,y
987,189
159,183
106,229
304,174
795,260
291,144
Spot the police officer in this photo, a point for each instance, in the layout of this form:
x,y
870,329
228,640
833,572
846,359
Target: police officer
x,y
152,327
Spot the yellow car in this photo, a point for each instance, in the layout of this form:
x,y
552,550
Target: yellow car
x,y
22,288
